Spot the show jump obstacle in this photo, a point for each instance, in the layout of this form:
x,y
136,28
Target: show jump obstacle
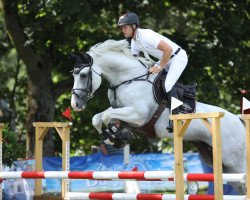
x,y
179,131
63,129
181,122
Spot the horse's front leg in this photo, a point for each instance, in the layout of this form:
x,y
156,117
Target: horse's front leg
x,y
114,135
125,114
97,122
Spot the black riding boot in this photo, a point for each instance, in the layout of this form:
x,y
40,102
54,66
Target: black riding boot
x,y
170,94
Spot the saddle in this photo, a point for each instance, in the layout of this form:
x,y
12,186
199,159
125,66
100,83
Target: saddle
x,y
186,94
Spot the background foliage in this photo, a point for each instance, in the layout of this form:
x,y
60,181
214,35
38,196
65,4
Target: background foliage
x,y
12,148
215,35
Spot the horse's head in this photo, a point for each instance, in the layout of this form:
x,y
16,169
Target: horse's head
x,y
85,82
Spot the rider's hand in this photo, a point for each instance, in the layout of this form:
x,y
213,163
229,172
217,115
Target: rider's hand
x,y
155,69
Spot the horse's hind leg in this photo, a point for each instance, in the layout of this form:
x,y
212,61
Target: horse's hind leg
x,y
239,187
234,161
206,154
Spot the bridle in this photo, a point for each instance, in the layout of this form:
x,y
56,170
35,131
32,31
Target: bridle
x,y
88,89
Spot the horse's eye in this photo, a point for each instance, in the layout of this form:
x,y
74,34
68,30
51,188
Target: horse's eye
x,y
83,75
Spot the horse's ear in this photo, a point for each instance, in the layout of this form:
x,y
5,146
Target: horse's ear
x,y
86,58
73,56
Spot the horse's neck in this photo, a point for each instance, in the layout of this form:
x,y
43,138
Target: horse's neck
x,y
117,68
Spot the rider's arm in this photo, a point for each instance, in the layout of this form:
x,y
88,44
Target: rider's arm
x,y
134,49
167,52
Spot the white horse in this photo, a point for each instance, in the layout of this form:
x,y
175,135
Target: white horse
x,y
133,102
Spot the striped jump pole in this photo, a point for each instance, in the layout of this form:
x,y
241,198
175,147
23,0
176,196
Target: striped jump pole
x,y
118,175
142,196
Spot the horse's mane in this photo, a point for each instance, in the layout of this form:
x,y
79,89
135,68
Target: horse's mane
x,y
112,45
118,46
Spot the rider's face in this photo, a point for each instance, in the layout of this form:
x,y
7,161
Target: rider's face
x,y
127,31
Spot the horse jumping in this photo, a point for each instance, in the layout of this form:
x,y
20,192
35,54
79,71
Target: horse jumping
x,y
133,102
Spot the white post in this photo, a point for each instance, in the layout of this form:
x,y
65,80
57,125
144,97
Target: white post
x,y
130,186
126,154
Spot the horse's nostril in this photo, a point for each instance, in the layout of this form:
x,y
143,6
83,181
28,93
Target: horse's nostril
x,y
76,104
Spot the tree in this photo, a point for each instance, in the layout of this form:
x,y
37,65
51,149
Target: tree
x,y
42,92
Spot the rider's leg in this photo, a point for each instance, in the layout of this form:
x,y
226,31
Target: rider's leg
x,y
177,66
170,94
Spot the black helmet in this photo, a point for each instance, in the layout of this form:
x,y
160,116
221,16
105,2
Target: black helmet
x,y
129,18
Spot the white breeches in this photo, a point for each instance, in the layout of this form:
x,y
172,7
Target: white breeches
x,y
176,67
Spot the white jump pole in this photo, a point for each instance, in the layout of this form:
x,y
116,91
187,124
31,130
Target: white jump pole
x,y
141,196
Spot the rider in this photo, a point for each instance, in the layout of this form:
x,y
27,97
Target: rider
x,y
171,56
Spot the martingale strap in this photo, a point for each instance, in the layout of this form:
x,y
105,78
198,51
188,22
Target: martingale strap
x,y
148,128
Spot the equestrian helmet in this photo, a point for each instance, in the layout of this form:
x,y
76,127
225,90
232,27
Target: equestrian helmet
x,y
129,18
